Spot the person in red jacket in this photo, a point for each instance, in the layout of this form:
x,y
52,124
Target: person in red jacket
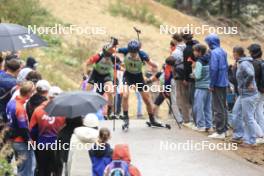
x,y
121,154
44,130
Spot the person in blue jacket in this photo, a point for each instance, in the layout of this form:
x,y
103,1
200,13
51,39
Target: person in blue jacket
x,y
101,153
218,84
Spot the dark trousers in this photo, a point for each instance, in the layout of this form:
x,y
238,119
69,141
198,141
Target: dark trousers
x,y
47,163
220,109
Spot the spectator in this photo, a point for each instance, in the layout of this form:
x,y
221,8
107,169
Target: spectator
x,y
64,136
42,90
244,122
218,84
181,89
20,136
30,76
31,63
82,139
21,77
101,153
7,82
256,53
202,98
188,58
168,80
121,162
33,76
11,56
54,91
44,130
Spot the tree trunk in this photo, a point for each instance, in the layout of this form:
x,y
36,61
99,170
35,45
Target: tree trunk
x,y
221,7
229,8
238,11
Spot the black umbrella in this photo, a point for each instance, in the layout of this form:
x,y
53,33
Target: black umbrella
x,y
14,37
74,104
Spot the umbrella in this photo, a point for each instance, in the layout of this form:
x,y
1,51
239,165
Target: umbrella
x,y
74,104
14,37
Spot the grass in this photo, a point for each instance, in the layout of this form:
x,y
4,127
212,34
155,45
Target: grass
x,y
25,12
133,12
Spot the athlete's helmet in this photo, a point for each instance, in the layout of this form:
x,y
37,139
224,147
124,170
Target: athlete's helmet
x,y
133,46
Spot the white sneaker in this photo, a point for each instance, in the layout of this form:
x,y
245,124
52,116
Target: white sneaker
x,y
202,129
217,136
260,141
189,125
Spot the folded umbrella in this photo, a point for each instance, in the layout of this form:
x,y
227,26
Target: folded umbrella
x,y
14,37
75,104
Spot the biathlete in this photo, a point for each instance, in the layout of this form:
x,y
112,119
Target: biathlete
x,y
134,59
103,71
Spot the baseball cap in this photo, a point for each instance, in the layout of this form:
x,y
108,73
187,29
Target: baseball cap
x,y
43,85
54,91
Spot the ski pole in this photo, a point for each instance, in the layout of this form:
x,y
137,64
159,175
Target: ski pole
x,y
138,32
171,110
114,43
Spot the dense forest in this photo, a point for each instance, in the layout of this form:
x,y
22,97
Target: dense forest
x,y
246,14
227,8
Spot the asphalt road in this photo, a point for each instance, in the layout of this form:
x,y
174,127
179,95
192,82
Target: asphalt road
x,y
174,152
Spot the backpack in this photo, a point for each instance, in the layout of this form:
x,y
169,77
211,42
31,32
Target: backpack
x,y
117,168
261,81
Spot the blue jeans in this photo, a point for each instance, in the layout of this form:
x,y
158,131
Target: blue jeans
x,y
259,114
244,123
139,103
26,157
202,108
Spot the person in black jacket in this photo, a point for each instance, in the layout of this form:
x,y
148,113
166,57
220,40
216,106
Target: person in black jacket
x,y
38,98
188,58
64,137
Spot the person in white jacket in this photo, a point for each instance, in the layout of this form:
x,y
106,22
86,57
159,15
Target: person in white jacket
x,y
82,141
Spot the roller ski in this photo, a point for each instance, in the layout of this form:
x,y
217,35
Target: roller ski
x,y
113,117
155,124
125,126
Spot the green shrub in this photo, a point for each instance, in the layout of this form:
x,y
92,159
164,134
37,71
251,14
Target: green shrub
x,y
135,12
24,12
52,40
171,3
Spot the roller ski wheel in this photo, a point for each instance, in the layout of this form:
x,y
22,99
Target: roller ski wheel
x,y
158,125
